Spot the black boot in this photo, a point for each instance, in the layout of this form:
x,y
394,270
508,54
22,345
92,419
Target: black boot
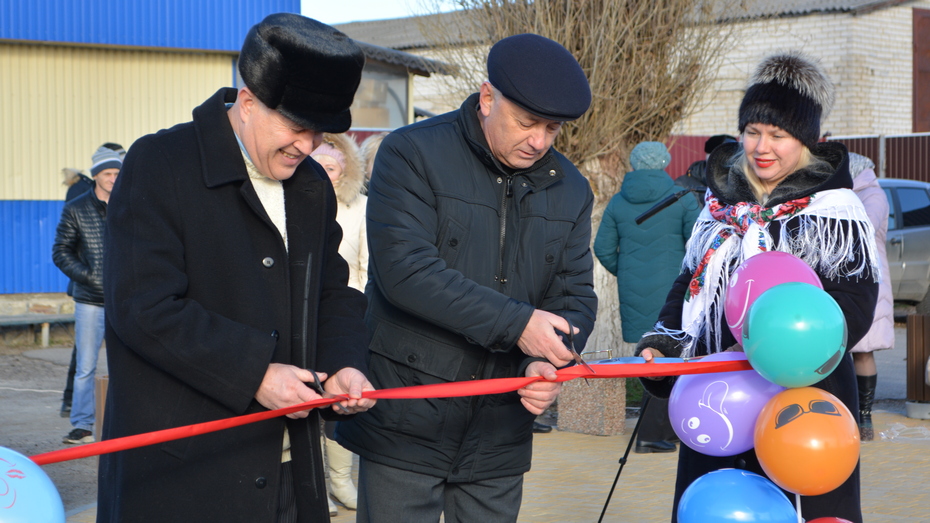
x,y
866,396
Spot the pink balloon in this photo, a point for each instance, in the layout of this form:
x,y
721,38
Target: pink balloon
x,y
757,275
715,413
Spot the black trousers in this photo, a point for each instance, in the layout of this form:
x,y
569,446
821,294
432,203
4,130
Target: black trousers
x,y
655,425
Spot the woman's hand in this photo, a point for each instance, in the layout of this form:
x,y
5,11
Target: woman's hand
x,y
649,354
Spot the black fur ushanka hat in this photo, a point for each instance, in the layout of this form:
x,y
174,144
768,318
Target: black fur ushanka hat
x,y
305,69
791,91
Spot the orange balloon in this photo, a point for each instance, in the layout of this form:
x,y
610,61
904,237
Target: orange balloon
x,y
807,441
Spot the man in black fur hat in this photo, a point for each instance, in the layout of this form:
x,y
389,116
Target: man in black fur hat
x,y
226,295
480,264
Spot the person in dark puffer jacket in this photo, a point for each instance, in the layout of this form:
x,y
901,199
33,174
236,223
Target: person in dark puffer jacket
x,y
479,234
78,252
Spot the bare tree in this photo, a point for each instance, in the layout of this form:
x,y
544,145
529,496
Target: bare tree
x,y
648,63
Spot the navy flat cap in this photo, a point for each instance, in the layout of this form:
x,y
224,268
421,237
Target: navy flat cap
x,y
539,75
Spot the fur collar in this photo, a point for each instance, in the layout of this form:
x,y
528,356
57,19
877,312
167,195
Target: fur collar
x,y
730,185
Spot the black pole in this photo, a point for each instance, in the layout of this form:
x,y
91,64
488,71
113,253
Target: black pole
x,y
629,445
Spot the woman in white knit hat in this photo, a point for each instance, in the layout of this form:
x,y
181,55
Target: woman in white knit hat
x,y
780,189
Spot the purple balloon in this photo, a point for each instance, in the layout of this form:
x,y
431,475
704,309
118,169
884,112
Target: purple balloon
x,y
715,413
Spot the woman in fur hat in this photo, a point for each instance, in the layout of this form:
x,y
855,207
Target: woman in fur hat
x,y
339,155
777,189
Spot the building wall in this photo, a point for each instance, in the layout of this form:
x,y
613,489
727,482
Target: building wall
x,y
60,103
869,57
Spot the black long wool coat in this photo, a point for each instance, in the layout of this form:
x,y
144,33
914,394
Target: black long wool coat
x,y
201,297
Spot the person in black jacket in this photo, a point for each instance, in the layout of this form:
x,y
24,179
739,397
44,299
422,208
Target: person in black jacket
x,y
78,251
226,295
479,235
694,178
78,184
778,189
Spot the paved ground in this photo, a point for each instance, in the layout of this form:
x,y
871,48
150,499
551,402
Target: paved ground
x,y
572,473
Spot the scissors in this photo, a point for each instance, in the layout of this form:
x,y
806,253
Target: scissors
x,y
317,386
571,347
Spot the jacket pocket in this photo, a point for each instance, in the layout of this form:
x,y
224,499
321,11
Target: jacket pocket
x,y
403,358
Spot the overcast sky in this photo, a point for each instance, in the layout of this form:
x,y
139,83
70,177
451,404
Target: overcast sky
x,y
341,11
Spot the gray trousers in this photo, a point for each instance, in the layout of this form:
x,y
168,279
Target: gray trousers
x,y
389,495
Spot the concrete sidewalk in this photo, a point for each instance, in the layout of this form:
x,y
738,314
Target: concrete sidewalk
x,y
572,474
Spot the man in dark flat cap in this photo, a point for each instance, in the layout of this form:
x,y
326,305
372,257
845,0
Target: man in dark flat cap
x,y
226,296
479,233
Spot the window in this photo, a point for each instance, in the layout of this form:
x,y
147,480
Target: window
x,y
915,206
891,216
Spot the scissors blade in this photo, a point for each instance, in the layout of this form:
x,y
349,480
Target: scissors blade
x,y
571,347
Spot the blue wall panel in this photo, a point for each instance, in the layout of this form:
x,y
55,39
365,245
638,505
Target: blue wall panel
x,y
216,25
27,232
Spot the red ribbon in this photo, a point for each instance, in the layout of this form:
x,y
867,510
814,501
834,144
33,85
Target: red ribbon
x,y
438,390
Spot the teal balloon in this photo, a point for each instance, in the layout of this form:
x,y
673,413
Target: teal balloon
x,y
27,494
795,334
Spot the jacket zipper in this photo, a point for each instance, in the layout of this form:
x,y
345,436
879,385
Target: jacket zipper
x,y
508,193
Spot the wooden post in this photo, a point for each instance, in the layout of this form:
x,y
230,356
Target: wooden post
x,y
918,352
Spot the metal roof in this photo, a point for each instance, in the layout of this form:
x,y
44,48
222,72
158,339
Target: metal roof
x,y
407,33
413,63
212,25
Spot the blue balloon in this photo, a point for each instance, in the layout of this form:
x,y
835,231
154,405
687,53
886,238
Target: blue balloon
x,y
27,495
730,495
795,334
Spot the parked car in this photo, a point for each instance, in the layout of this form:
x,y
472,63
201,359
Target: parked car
x,y
908,241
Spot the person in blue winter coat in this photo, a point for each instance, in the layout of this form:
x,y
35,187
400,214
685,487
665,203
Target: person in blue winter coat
x,y
646,259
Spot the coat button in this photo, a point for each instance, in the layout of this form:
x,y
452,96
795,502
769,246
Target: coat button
x,y
275,334
411,358
550,258
261,482
455,470
453,242
268,262
552,172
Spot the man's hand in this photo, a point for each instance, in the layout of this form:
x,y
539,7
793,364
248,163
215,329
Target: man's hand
x,y
540,340
285,385
649,355
350,382
537,396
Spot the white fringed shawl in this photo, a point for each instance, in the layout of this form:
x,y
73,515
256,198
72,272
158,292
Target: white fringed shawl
x,y
833,235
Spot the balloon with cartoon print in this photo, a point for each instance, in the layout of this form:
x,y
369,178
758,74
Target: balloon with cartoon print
x,y
795,334
807,441
715,414
27,495
756,275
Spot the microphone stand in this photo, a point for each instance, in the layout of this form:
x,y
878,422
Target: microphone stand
x,y
629,445
666,202
655,209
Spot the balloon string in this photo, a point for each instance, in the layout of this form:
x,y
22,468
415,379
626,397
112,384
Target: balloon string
x,y
797,502
438,390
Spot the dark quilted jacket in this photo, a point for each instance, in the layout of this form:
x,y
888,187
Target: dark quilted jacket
x,y
78,248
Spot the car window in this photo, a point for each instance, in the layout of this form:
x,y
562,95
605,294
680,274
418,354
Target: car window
x,y
915,206
891,221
